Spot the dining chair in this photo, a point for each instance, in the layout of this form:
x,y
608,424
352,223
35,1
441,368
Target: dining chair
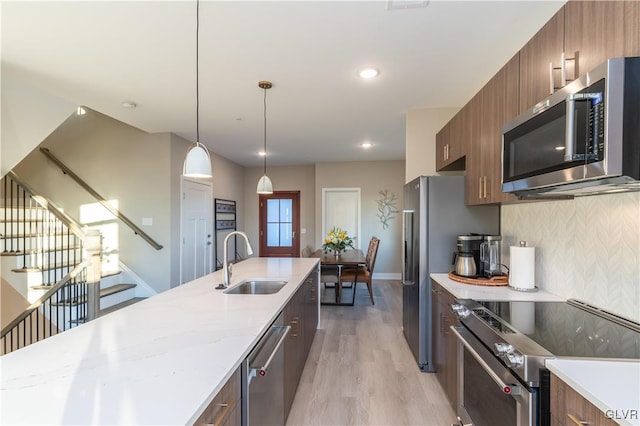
x,y
330,275
362,274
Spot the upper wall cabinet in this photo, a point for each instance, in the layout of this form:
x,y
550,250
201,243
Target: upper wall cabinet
x,y
581,36
451,144
495,104
596,31
536,74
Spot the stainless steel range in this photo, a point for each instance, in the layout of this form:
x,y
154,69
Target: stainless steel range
x,y
504,345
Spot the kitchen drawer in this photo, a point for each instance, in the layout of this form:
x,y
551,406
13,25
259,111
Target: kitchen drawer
x,y
225,409
569,408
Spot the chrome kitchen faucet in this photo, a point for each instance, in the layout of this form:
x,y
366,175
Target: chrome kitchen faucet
x,y
226,265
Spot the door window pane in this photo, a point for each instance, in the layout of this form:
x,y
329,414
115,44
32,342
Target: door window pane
x,y
273,235
273,210
285,235
285,211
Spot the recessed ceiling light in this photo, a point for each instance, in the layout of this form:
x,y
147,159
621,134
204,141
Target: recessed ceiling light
x,y
128,104
81,111
559,148
368,73
262,153
366,145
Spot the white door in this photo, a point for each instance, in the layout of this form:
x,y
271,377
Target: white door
x,y
196,256
341,208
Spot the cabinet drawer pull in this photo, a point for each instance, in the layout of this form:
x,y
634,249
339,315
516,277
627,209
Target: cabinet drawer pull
x,y
295,327
484,185
227,409
576,421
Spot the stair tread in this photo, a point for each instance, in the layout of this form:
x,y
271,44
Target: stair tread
x,y
104,292
50,234
46,287
49,250
120,305
47,267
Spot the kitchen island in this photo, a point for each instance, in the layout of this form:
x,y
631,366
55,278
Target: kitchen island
x,y
160,361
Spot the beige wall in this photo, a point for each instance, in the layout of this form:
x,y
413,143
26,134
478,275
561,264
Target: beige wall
x,y
587,248
370,177
422,126
119,162
290,178
28,116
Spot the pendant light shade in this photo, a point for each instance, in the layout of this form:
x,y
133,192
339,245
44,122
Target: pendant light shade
x,y
264,184
198,162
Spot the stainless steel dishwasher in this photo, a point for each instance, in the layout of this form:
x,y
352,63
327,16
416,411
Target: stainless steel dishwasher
x,y
263,378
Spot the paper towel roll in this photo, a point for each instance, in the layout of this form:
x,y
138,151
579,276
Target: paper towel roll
x,y
522,272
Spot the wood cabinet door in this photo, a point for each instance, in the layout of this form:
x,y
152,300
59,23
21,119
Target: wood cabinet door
x,y
544,48
310,312
499,105
596,31
442,140
475,172
293,347
568,407
226,407
437,336
451,144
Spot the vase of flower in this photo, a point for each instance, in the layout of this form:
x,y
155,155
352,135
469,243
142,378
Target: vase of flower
x,y
337,241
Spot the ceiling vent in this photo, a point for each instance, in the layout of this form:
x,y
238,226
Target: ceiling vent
x,y
406,4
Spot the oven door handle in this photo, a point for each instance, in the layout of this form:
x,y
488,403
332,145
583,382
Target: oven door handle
x,y
505,388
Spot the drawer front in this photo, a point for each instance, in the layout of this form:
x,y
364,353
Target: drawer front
x,y
225,409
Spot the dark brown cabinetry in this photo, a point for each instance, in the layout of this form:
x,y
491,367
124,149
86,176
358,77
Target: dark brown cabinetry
x,y
580,36
544,48
451,143
301,313
444,343
225,409
595,31
494,105
568,407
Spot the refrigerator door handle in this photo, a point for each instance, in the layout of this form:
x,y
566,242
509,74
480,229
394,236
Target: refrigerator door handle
x,y
407,247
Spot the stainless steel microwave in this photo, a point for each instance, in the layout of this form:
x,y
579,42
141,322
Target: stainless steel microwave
x,y
583,139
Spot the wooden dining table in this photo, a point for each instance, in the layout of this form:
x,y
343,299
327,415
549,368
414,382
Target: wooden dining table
x,y
349,258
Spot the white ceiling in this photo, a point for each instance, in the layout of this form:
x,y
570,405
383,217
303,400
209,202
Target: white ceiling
x,y
99,54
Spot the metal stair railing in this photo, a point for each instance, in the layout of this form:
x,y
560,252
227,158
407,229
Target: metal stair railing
x,y
53,313
66,170
47,239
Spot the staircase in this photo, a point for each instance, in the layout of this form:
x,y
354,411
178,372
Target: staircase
x,y
42,249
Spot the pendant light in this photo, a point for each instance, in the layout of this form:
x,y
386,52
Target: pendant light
x,y
264,184
198,162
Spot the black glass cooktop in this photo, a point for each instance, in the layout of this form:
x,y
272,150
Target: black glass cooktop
x,y
567,330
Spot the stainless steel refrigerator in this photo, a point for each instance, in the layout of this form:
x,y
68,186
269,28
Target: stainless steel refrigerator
x,y
434,214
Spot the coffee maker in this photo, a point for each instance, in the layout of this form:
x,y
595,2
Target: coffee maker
x,y
490,256
467,258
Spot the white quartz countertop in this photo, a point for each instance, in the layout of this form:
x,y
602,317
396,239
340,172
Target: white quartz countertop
x,y
160,361
612,386
492,293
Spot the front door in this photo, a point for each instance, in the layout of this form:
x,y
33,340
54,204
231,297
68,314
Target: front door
x,y
196,230
280,224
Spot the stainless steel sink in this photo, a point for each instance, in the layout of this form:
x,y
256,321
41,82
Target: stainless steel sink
x,y
256,287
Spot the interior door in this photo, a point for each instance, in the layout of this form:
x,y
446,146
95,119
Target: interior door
x,y
196,255
280,224
341,208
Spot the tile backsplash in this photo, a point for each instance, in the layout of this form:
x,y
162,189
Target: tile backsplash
x,y
587,248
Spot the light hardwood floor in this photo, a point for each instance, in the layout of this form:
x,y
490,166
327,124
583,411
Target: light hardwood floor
x,y
360,370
